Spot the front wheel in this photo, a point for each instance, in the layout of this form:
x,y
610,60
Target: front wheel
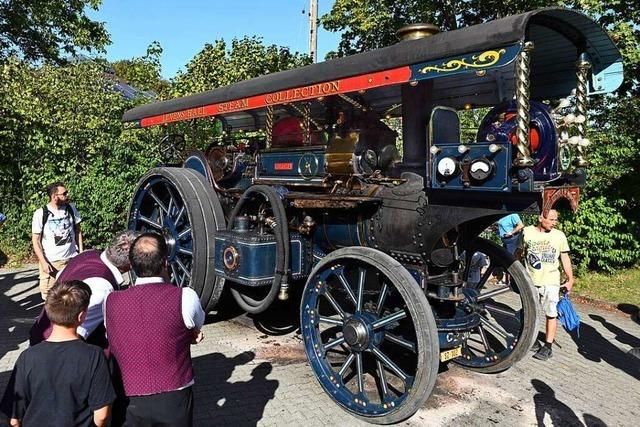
x,y
369,335
503,295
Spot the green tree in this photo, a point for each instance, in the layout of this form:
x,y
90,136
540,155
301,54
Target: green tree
x,y
63,123
49,30
605,233
144,73
218,65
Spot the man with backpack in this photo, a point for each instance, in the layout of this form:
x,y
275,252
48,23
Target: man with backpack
x,y
56,235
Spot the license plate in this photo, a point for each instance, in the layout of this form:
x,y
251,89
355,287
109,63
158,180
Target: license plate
x,y
450,354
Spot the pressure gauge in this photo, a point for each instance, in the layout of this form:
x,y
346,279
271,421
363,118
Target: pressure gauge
x,y
447,167
481,169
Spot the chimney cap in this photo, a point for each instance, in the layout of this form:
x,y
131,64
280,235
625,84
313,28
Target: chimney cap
x,y
417,31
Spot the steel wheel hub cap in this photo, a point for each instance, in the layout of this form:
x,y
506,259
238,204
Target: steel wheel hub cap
x,y
355,334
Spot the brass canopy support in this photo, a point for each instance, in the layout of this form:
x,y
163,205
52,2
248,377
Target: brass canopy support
x,y
523,156
269,125
582,74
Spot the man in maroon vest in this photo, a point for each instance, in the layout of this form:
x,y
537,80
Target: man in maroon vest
x,y
150,328
102,271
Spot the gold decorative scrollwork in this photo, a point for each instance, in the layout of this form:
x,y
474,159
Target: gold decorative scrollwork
x,y
483,60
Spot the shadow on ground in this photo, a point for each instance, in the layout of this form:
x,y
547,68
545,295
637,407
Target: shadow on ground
x,y
18,311
596,348
548,406
239,403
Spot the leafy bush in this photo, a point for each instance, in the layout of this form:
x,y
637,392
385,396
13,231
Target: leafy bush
x,y
63,123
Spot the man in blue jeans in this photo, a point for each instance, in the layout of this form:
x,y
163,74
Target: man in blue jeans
x,y
509,229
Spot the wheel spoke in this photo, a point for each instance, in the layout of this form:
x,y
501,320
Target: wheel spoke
x,y
185,251
400,341
150,222
335,304
381,298
383,380
184,232
174,272
347,287
483,337
346,364
501,310
471,351
182,266
493,293
158,201
170,206
389,364
401,314
179,215
331,320
361,277
493,328
360,374
334,343
484,278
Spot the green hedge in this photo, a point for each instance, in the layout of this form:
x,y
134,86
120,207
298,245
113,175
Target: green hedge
x,y
63,123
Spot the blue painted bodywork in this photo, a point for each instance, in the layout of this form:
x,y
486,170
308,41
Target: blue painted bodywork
x,y
257,257
304,164
476,61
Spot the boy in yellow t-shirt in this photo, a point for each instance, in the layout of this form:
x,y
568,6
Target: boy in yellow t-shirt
x,y
544,249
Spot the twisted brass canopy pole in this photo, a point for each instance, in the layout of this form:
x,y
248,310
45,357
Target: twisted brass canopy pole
x,y
523,156
582,73
269,125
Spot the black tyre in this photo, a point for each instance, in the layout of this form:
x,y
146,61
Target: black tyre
x,y
182,206
369,334
507,302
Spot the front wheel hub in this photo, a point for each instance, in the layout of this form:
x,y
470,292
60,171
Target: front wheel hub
x,y
356,334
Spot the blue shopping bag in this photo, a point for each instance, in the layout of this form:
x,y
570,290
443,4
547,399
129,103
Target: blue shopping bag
x,y
568,316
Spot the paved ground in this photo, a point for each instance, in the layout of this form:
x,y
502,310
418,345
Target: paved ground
x,y
248,377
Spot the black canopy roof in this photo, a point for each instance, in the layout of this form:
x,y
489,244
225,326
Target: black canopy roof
x,y
580,31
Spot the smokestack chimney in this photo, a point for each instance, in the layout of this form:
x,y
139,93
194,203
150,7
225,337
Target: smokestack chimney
x,y
417,31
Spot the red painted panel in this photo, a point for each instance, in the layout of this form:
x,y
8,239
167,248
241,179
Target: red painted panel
x,y
350,84
288,166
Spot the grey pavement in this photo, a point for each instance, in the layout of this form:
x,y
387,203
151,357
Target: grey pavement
x,y
246,375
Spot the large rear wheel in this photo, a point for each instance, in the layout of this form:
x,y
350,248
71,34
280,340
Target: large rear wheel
x,y
369,334
181,205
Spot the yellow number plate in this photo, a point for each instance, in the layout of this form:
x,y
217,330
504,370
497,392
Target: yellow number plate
x,y
450,354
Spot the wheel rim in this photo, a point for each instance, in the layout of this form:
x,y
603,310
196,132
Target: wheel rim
x,y
159,208
501,309
360,337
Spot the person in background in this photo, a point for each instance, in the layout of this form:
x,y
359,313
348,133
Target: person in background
x,y
102,271
56,235
477,266
509,229
545,248
150,327
62,381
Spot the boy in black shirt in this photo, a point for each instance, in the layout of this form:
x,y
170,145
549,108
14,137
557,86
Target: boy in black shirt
x,y
62,381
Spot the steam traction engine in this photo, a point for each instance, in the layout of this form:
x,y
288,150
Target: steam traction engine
x,y
377,229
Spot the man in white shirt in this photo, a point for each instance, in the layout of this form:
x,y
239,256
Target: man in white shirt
x,y
150,328
56,235
102,271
